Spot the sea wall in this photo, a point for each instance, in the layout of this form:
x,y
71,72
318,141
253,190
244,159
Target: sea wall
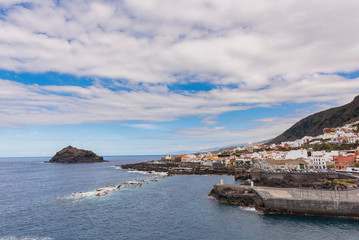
x,y
290,201
311,207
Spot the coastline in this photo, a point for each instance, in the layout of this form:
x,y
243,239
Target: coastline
x,y
178,168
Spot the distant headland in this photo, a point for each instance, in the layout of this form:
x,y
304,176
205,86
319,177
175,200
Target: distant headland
x,y
74,155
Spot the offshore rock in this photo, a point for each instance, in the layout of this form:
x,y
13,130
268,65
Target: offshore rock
x,y
73,155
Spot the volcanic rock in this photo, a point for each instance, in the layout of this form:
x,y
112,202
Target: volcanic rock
x,y
73,155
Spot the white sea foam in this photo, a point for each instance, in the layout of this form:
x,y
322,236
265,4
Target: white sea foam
x,y
116,167
100,192
161,174
249,209
105,191
136,171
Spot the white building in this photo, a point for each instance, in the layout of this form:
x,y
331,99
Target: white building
x,y
240,148
294,154
321,158
319,162
353,139
167,157
207,163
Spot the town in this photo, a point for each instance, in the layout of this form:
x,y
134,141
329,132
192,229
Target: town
x,y
337,149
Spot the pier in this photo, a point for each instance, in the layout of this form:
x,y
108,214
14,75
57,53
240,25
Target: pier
x,y
272,200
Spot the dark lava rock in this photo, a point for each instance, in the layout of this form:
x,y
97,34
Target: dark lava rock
x,y
236,194
73,155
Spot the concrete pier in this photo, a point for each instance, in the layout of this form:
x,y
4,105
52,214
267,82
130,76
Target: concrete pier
x,y
309,201
272,200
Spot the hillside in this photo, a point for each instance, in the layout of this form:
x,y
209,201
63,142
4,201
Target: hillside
x,y
313,125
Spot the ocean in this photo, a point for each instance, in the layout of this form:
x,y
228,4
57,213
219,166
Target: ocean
x,y
43,201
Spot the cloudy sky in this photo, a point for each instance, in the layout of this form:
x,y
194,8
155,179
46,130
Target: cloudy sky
x,y
160,76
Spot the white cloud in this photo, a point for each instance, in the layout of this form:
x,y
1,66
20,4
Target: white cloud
x,y
146,126
215,137
22,104
270,52
209,120
32,104
241,42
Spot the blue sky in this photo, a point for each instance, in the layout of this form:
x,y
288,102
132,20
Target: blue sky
x,y
158,77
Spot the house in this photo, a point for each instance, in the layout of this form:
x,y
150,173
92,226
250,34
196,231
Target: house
x,y
319,162
185,158
260,164
209,154
294,154
287,164
320,159
207,163
283,164
178,158
341,159
340,166
167,158
353,139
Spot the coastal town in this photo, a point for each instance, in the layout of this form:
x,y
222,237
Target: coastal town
x,y
313,175
337,149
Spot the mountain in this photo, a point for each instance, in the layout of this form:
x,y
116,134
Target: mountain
x,y
313,125
73,155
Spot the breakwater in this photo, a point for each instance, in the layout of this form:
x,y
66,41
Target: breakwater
x,y
271,200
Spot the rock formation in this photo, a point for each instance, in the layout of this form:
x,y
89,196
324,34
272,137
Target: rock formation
x,y
73,155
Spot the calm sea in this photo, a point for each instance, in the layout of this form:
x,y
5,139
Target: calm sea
x,y
36,202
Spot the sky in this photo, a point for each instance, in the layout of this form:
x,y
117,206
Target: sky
x,y
134,77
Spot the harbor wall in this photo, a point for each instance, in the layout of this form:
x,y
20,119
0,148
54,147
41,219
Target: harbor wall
x,y
311,207
246,196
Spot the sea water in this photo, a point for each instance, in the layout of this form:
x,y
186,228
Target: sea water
x,y
43,201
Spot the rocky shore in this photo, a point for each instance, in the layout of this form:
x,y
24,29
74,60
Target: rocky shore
x,y
177,168
311,180
241,195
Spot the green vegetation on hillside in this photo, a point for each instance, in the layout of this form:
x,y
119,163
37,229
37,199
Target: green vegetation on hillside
x,y
334,147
